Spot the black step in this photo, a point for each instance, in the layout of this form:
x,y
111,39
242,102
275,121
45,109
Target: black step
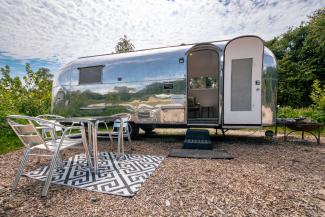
x,y
197,139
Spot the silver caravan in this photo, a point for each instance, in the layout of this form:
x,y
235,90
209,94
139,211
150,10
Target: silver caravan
x,y
221,84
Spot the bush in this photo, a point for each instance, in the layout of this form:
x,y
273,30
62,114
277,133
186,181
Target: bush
x,y
32,96
318,95
321,103
8,140
315,114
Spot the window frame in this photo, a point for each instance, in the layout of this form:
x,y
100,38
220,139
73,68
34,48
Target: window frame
x,y
90,83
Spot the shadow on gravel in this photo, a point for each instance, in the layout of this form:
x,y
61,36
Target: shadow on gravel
x,y
254,140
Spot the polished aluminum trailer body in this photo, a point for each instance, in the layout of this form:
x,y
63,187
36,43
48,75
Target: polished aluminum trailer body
x,y
154,86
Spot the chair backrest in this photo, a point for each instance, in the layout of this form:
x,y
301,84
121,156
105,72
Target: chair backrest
x,y
25,130
49,118
117,124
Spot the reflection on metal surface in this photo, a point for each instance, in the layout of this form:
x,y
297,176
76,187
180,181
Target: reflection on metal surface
x,y
150,85
203,82
269,88
144,100
134,84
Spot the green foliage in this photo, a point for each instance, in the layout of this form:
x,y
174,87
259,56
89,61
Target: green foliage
x,y
318,95
300,53
312,113
124,45
321,103
8,141
31,96
10,89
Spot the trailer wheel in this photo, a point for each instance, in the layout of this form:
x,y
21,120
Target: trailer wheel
x,y
147,130
269,133
134,130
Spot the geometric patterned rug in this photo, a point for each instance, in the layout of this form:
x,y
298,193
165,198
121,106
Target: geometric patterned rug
x,y
122,177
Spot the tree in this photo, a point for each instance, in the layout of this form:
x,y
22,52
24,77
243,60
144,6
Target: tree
x,y
124,45
30,97
318,95
38,87
300,53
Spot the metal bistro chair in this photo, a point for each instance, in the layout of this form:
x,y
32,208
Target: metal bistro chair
x,y
46,127
26,129
55,118
120,131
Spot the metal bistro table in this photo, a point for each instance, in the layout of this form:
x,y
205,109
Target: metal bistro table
x,y
298,124
92,125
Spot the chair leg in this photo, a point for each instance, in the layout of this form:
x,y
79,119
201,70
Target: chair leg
x,y
85,145
52,134
122,146
39,157
21,168
129,137
130,143
72,125
109,133
59,162
49,175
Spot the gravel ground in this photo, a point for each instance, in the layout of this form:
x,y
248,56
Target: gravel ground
x,y
268,177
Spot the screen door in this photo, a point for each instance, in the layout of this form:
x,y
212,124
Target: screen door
x,y
242,81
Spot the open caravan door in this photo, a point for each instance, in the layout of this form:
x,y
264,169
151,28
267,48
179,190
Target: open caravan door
x,y
243,65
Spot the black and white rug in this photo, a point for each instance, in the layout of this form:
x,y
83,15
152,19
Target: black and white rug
x,y
122,177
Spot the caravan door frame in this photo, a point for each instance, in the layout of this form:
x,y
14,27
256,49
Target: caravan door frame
x,y
219,52
226,124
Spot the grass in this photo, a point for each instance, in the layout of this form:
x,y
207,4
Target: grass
x,y
8,141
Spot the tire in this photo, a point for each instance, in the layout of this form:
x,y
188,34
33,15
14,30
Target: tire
x,y
134,130
148,130
269,133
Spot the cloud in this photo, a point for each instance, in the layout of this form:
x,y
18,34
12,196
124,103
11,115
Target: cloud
x,y
63,30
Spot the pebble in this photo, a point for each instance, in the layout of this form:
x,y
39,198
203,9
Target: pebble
x,y
269,186
94,199
8,206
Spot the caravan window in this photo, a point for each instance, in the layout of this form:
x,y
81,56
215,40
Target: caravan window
x,y
90,75
203,82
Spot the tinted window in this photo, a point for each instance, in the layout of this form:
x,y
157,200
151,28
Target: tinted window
x,y
90,75
241,84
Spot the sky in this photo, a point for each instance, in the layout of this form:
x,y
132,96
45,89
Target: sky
x,y
51,33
